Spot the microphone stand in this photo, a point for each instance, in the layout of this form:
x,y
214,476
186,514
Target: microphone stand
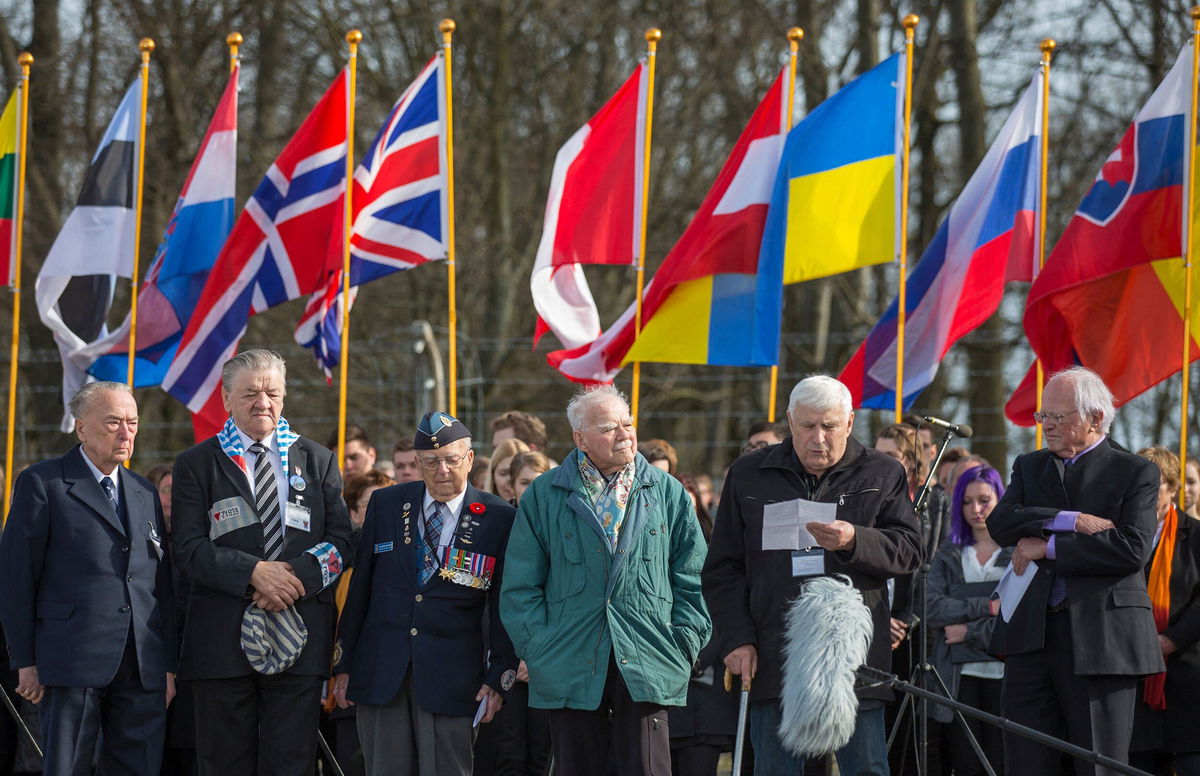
x,y
924,667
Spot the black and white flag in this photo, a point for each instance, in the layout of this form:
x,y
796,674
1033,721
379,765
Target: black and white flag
x,y
74,289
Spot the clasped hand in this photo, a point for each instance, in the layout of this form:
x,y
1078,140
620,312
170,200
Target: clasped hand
x,y
276,586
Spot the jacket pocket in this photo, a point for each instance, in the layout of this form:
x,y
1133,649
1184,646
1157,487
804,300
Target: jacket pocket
x,y
1129,597
566,579
854,493
55,610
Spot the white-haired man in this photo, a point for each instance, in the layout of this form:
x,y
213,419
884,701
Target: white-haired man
x,y
260,529
873,538
601,595
1083,513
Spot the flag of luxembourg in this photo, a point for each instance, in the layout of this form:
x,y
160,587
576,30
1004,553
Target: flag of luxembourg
x,y
198,226
988,238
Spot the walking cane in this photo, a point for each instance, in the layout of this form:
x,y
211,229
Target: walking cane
x,y
739,745
16,715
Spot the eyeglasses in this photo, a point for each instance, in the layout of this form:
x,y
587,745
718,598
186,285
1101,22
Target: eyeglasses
x,y
431,463
1053,417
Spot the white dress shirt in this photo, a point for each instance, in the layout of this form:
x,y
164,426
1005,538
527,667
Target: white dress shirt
x,y
272,444
453,510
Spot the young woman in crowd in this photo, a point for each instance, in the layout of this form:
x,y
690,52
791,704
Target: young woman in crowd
x,y
1167,718
500,478
527,467
962,576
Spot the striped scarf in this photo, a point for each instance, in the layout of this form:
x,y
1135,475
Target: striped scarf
x,y
231,442
1159,587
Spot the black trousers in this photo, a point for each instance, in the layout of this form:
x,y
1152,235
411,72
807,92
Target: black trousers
x,y
641,742
982,694
1042,690
517,740
257,725
128,721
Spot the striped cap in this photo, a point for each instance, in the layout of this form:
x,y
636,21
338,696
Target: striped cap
x,y
272,640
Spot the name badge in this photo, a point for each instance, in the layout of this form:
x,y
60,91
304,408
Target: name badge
x,y
808,563
296,516
229,514
383,547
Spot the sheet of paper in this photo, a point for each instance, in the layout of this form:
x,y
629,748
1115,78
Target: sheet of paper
x,y
783,523
813,512
479,712
1011,588
780,526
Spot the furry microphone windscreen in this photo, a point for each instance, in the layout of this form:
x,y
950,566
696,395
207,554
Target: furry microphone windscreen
x,y
828,633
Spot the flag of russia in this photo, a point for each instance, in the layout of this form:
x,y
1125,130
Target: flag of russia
x,y
987,239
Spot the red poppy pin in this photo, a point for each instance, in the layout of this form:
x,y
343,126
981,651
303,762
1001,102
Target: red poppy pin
x,y
476,508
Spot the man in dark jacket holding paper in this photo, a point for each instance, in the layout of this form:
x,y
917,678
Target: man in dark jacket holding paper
x,y
873,538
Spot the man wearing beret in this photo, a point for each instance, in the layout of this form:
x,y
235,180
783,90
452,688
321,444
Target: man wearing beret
x,y
412,649
260,529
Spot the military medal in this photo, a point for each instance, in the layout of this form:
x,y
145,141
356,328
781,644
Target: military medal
x,y
407,538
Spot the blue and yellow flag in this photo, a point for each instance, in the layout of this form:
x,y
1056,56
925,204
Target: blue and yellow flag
x,y
834,207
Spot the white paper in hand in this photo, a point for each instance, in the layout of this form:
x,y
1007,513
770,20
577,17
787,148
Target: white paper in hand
x,y
1011,588
784,521
480,711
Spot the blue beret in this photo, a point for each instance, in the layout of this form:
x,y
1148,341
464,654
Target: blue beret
x,y
437,429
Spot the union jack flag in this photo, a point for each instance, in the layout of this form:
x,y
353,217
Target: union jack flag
x,y
399,209
277,251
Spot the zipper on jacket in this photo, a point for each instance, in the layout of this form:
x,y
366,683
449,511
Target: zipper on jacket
x,y
842,497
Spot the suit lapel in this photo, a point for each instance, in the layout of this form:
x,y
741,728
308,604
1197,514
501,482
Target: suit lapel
x,y
1083,474
1052,482
234,473
85,488
297,463
137,503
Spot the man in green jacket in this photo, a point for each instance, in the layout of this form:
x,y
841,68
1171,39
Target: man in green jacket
x,y
601,594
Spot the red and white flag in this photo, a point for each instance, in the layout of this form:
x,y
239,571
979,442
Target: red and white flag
x,y
722,240
592,213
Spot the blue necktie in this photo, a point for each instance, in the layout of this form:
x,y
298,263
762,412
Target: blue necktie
x,y
433,534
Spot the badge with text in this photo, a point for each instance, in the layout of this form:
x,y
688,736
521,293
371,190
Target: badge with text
x,y
297,516
229,514
808,563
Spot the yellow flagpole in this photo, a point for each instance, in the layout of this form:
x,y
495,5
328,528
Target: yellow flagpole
x,y
1188,251
653,36
794,36
910,25
25,61
145,45
447,28
234,41
353,38
1047,50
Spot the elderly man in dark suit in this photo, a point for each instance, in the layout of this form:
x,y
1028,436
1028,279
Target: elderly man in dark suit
x,y
87,595
1081,514
412,648
260,529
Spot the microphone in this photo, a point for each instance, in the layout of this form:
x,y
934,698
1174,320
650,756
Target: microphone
x,y
962,430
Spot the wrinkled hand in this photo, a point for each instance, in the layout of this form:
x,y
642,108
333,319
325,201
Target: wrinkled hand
x,y
838,535
170,688
743,662
899,631
276,586
494,702
28,686
1027,549
1090,524
340,683
522,672
1166,645
956,634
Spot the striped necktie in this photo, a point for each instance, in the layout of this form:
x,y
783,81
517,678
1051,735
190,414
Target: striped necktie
x,y
433,536
266,497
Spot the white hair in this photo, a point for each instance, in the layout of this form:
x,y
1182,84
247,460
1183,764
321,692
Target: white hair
x,y
256,360
83,397
1091,394
821,393
581,403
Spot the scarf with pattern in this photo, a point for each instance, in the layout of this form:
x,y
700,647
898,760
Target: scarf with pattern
x,y
607,495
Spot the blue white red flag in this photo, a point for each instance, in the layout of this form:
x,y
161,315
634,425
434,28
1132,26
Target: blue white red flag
x,y
198,226
987,239
399,209
277,251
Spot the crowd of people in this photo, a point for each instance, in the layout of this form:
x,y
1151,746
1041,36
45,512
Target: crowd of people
x,y
257,608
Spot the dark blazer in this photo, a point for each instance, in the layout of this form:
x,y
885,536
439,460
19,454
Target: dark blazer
x,y
219,568
1174,728
748,589
1109,609
390,624
75,581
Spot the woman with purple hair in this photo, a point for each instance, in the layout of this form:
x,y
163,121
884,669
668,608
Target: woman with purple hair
x,y
962,576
